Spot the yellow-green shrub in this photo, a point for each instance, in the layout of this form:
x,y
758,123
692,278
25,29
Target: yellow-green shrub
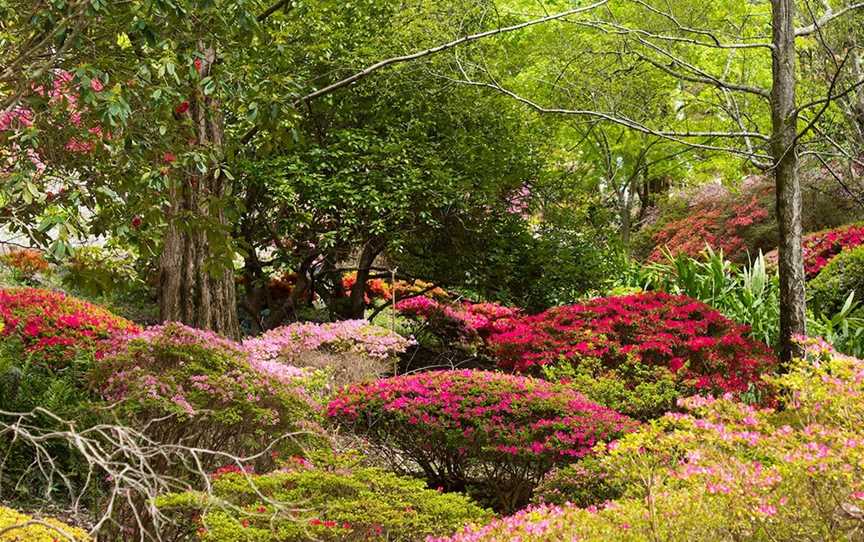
x,y
41,530
332,499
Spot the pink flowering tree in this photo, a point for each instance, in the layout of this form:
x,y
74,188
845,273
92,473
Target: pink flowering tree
x,y
496,433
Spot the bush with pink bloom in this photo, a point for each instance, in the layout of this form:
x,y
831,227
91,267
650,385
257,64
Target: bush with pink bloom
x,y
644,339
54,327
494,433
723,470
463,323
350,349
192,386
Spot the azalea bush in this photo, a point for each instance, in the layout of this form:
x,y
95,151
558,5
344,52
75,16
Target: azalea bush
x,y
747,294
53,327
641,339
327,499
822,247
463,323
19,527
193,387
724,470
493,432
25,264
722,225
350,350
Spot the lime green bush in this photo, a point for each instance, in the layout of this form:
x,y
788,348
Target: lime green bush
x,y
331,499
832,286
36,529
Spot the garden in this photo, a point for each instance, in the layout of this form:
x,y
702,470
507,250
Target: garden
x,y
454,271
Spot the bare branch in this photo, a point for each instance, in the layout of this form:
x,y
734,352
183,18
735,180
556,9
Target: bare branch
x,y
829,16
676,136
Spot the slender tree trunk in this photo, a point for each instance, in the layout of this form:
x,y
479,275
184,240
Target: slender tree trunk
x,y
197,286
793,318
357,302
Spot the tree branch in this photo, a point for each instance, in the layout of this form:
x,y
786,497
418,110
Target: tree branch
x,y
829,16
369,70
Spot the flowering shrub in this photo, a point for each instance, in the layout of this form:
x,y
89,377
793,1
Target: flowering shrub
x,y
46,530
52,326
496,431
280,350
327,500
25,263
464,322
728,471
193,386
821,247
638,339
720,224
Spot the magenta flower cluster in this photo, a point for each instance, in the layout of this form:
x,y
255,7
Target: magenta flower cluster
x,y
466,320
455,422
693,341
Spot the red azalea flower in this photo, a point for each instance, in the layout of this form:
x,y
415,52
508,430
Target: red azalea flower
x,y
182,107
136,222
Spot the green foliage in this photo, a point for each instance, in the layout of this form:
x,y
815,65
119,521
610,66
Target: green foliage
x,y
27,384
330,499
843,276
636,389
585,483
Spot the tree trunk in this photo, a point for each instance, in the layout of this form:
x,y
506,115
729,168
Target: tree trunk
x,y
197,286
357,303
793,317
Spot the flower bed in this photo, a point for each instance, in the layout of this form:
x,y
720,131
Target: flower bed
x,y
500,431
727,471
700,348
53,325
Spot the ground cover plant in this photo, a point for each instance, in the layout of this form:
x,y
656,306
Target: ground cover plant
x,y
323,498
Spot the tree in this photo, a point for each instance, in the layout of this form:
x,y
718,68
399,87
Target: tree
x,y
715,54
